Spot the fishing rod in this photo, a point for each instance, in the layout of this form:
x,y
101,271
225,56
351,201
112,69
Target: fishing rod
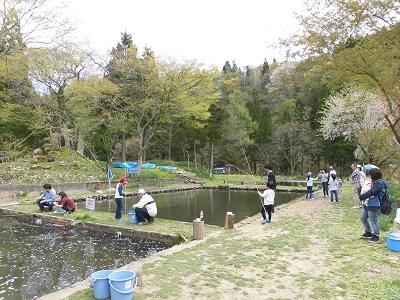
x,y
248,165
236,168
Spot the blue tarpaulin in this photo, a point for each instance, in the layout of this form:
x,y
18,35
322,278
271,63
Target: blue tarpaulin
x,y
148,166
168,168
127,164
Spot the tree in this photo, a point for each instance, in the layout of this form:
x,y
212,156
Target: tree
x,y
31,23
358,41
358,116
155,92
51,70
227,67
215,129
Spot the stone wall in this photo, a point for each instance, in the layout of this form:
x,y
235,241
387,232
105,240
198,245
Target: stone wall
x,y
85,186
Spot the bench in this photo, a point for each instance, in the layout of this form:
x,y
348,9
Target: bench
x,y
4,156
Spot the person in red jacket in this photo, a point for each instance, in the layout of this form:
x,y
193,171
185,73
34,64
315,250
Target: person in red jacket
x,y
66,203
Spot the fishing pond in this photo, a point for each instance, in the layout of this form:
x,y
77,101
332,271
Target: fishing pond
x,y
185,206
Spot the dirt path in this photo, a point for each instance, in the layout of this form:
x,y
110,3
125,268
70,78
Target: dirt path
x,y
272,261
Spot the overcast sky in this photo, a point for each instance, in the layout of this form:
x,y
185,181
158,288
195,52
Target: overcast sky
x,y
211,31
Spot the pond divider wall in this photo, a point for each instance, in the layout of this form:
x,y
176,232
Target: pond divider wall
x,y
85,186
109,229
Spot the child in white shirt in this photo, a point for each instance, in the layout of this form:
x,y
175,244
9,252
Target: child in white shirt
x,y
333,188
269,198
310,183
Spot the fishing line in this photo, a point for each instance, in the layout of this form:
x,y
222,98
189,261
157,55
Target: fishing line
x,y
248,165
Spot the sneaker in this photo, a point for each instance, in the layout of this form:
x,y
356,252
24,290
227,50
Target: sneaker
x,y
374,239
142,223
151,220
269,221
120,220
331,202
264,221
366,235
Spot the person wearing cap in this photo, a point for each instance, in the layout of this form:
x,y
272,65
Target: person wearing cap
x,y
145,209
310,183
331,171
67,204
120,192
47,198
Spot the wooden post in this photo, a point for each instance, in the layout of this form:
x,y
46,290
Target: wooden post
x,y
229,220
198,229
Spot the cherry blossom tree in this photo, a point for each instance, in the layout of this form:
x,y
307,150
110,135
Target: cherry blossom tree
x,y
358,116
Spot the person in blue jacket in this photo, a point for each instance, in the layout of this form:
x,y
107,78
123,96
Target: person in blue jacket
x,y
372,206
47,198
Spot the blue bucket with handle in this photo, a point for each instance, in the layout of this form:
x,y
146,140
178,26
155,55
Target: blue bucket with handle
x,y
122,283
132,217
100,284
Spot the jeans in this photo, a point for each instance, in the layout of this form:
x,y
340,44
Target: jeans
x,y
373,218
120,206
325,188
309,192
334,192
269,208
142,214
42,205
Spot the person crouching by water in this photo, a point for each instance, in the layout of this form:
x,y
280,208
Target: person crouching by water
x,y
47,198
372,206
120,192
269,198
67,204
145,209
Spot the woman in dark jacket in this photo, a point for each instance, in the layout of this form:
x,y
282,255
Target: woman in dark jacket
x,y
66,203
372,205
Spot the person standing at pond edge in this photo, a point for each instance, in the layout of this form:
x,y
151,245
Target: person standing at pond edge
x,y
145,209
363,178
310,183
333,187
269,198
120,192
372,206
331,171
271,176
47,198
67,204
324,181
355,184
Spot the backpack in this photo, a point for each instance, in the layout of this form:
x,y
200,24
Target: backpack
x,y
386,204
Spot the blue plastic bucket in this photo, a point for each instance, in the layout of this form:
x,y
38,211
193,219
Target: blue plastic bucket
x,y
132,217
122,283
100,284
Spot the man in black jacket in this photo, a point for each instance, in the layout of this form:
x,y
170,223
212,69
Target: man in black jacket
x,y
271,176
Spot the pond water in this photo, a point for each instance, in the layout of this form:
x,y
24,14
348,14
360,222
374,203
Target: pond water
x,y
39,259
215,203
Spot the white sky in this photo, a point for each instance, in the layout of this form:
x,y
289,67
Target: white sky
x,y
209,31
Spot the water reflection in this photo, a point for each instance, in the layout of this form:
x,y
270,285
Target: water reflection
x,y
39,259
186,205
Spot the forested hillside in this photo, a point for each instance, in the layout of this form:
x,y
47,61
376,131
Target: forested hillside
x,y
334,100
